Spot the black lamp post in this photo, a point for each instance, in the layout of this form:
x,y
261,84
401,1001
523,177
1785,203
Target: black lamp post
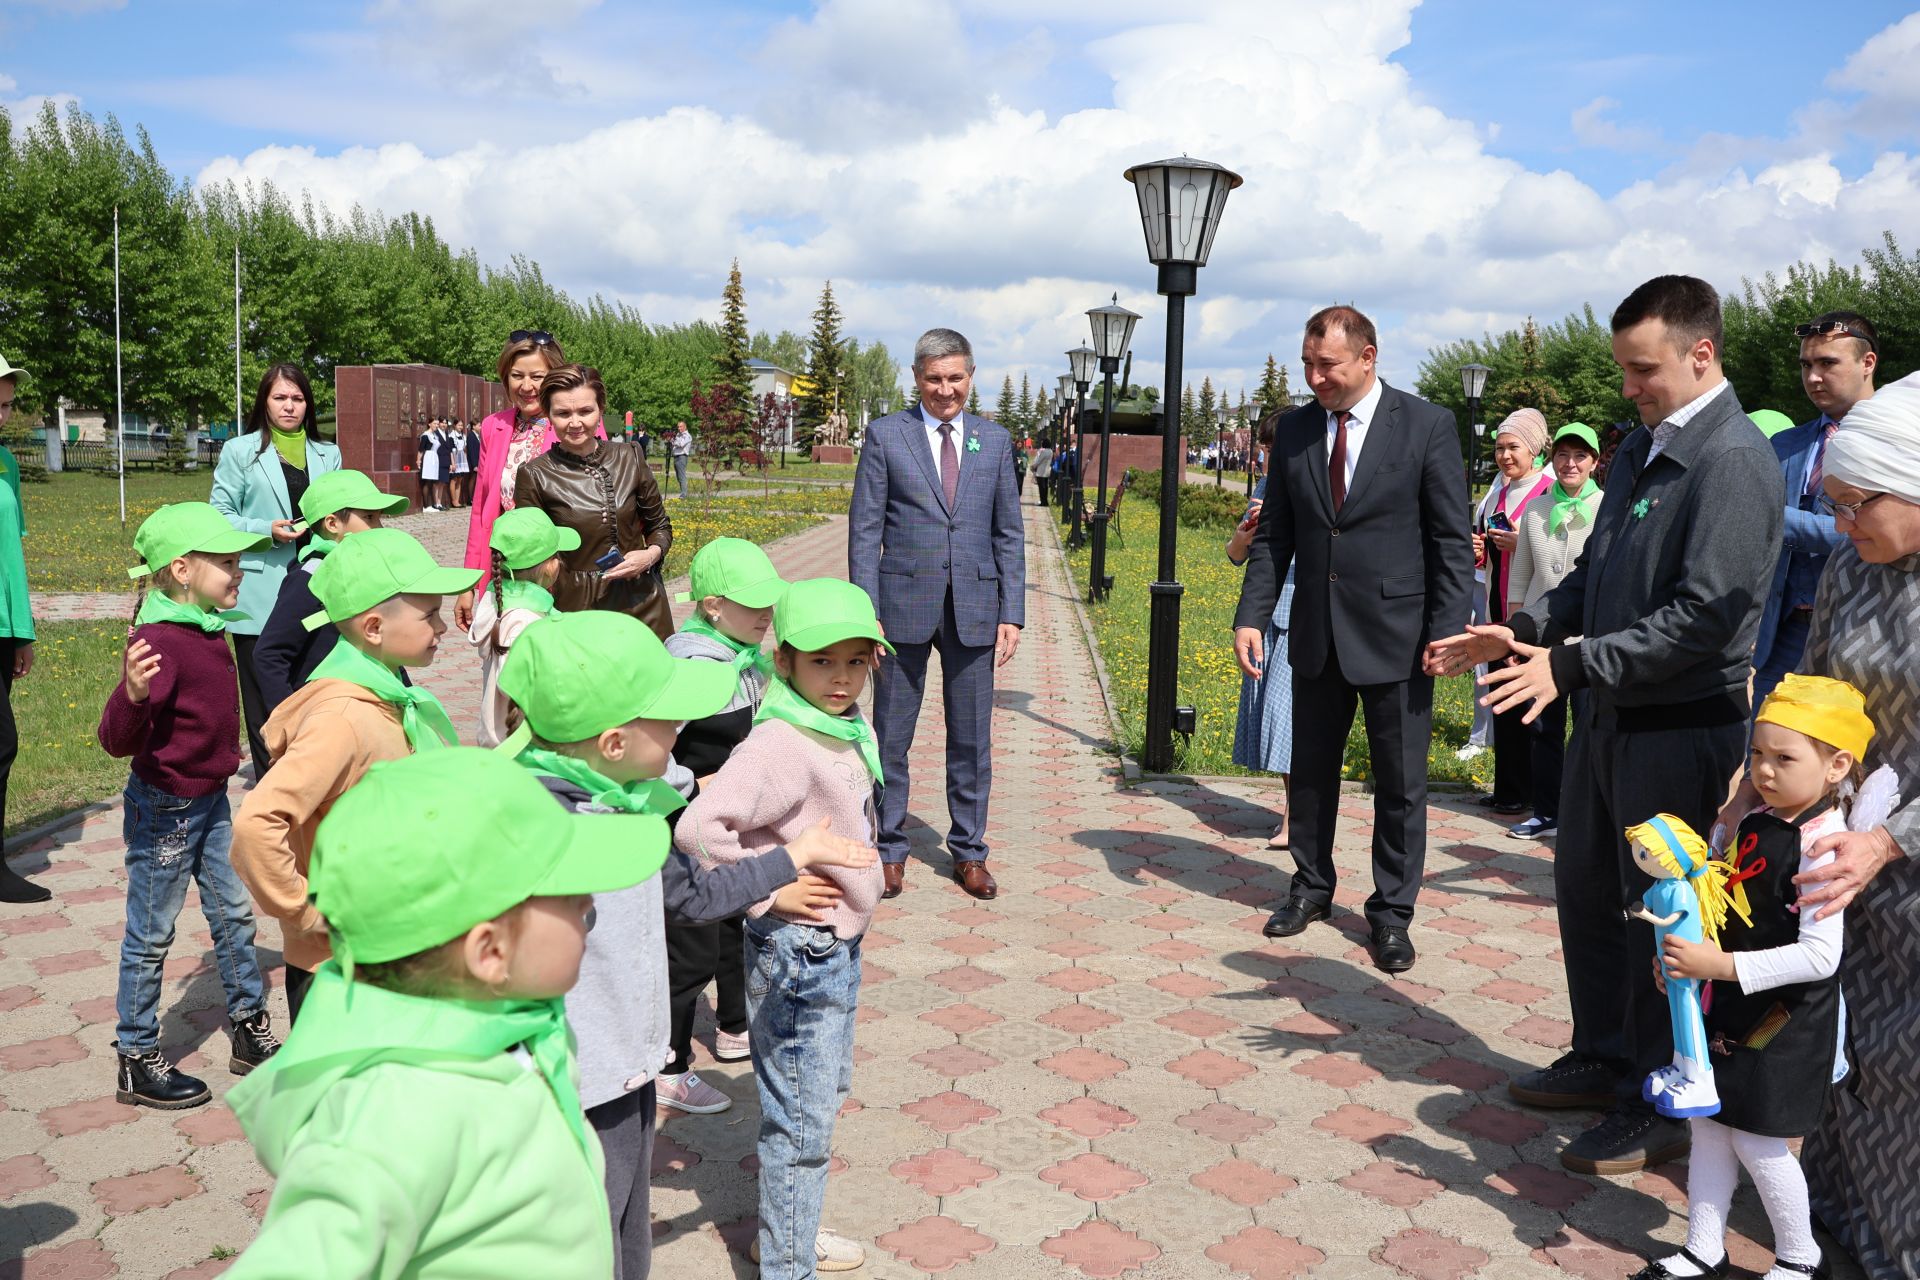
x,y
1473,381
1066,439
1112,332
1180,206
1082,360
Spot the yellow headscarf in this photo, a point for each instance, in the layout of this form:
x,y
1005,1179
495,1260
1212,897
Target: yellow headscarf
x,y
1826,710
1683,855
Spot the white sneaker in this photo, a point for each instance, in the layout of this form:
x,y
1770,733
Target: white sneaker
x,y
689,1093
728,1047
831,1252
1468,752
1682,1090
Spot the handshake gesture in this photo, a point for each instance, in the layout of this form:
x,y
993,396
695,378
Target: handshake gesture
x,y
1519,673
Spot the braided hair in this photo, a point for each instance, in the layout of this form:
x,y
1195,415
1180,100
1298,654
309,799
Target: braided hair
x,y
140,587
499,572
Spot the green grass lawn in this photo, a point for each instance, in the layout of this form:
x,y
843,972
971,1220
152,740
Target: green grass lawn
x,y
74,538
1209,678
57,708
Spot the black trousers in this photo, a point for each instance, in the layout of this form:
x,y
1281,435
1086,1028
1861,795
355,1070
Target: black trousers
x,y
9,732
1512,758
298,983
1044,483
1547,740
696,955
253,705
1399,728
626,1127
1617,779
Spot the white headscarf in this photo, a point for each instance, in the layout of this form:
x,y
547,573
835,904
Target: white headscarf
x,y
1877,448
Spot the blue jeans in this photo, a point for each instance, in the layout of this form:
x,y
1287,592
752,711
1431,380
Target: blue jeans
x,y
171,841
802,986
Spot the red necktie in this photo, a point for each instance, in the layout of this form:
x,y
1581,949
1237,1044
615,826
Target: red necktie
x,y
1337,459
949,464
1819,471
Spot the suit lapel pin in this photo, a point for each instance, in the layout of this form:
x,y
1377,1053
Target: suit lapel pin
x,y
973,444
1641,508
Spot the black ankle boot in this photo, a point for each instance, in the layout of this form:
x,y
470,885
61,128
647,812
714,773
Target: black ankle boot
x,y
15,887
149,1080
253,1042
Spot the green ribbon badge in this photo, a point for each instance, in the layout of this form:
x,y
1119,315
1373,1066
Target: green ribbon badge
x,y
1641,508
973,444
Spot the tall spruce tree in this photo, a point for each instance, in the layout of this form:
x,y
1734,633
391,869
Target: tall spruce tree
x,y
973,400
1207,404
1003,412
826,368
734,381
1023,408
1273,386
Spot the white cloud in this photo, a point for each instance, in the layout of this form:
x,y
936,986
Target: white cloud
x,y
1591,128
881,153
1883,69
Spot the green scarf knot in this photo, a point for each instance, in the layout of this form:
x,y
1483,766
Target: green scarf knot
x,y
782,703
421,715
516,593
292,446
161,607
744,655
1566,504
648,795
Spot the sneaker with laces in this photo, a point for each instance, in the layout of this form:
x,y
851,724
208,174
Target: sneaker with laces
x,y
149,1080
729,1047
1627,1142
689,1093
831,1252
253,1042
1571,1081
1534,829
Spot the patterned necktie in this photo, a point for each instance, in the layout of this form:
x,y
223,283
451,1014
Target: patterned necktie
x,y
1819,470
1337,459
949,464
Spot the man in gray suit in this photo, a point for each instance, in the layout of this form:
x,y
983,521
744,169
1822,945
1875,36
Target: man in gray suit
x,y
1656,622
1367,502
934,536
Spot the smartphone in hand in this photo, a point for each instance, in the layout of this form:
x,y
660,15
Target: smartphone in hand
x,y
609,560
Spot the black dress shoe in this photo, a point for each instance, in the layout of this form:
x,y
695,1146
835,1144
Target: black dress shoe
x,y
1392,948
1572,1081
1627,1142
1658,1271
1295,917
15,887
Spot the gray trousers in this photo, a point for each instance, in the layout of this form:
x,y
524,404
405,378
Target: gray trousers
x,y
966,676
625,1126
1616,779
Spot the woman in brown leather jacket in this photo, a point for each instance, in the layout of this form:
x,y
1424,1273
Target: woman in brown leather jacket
x,y
603,491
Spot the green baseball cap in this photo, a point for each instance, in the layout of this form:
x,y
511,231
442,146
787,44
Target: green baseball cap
x,y
1579,431
819,612
736,570
180,527
373,567
576,675
526,536
423,848
1770,421
339,491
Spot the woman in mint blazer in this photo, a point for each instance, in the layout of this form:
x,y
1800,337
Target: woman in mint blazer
x,y
257,486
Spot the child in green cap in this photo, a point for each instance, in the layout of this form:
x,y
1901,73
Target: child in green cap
x,y
335,505
176,712
734,588
601,701
422,1119
526,546
383,591
811,756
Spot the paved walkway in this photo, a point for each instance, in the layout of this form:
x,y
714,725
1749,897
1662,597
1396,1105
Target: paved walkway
x,y
1106,1072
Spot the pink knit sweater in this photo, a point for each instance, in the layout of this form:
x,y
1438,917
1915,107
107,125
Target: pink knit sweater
x,y
776,784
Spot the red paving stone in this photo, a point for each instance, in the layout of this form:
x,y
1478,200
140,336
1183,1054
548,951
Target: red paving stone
x,y
1100,1249
935,1244
1262,1254
1246,1185
1429,1256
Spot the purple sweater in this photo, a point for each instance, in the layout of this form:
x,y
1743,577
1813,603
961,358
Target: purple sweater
x,y
185,738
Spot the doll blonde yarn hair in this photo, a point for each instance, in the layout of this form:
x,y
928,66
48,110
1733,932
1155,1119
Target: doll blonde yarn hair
x,y
1683,855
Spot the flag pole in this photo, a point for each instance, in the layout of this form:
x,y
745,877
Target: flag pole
x,y
236,337
119,397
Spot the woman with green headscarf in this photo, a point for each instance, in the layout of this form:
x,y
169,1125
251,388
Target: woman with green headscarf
x,y
1548,539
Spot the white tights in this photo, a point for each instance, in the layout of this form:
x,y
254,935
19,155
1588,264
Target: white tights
x,y
1714,1171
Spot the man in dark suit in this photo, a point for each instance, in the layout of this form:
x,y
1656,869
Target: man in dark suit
x,y
1656,622
1838,354
934,536
1367,501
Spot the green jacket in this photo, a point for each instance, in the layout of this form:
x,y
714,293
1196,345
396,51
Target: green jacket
x,y
409,1141
16,610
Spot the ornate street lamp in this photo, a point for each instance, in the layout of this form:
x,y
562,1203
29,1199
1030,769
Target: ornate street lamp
x,y
1112,333
1066,438
1180,206
1473,381
1081,359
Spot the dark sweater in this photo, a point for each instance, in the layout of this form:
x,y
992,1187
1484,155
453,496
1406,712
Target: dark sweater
x,y
184,739
286,653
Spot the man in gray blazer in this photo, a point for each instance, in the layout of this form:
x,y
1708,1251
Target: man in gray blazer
x,y
1367,503
1661,608
934,536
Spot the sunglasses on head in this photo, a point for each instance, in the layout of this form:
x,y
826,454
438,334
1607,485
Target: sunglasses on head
x,y
1821,328
538,337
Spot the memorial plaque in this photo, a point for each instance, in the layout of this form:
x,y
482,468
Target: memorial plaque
x,y
381,410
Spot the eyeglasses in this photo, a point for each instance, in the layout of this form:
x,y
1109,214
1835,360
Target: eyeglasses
x,y
1851,510
1821,328
538,337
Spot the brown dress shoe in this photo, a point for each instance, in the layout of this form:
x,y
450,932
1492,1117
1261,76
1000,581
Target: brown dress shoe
x,y
975,878
895,874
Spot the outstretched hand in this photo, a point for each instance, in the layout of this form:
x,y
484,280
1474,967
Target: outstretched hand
x,y
819,847
1526,681
1457,655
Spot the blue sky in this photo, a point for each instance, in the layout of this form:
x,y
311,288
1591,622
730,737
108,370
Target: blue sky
x,y
1450,165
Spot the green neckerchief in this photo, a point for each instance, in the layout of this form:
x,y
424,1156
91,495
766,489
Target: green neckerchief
x,y
292,446
516,593
649,795
161,607
421,714
782,703
349,1027
316,546
744,655
1565,504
